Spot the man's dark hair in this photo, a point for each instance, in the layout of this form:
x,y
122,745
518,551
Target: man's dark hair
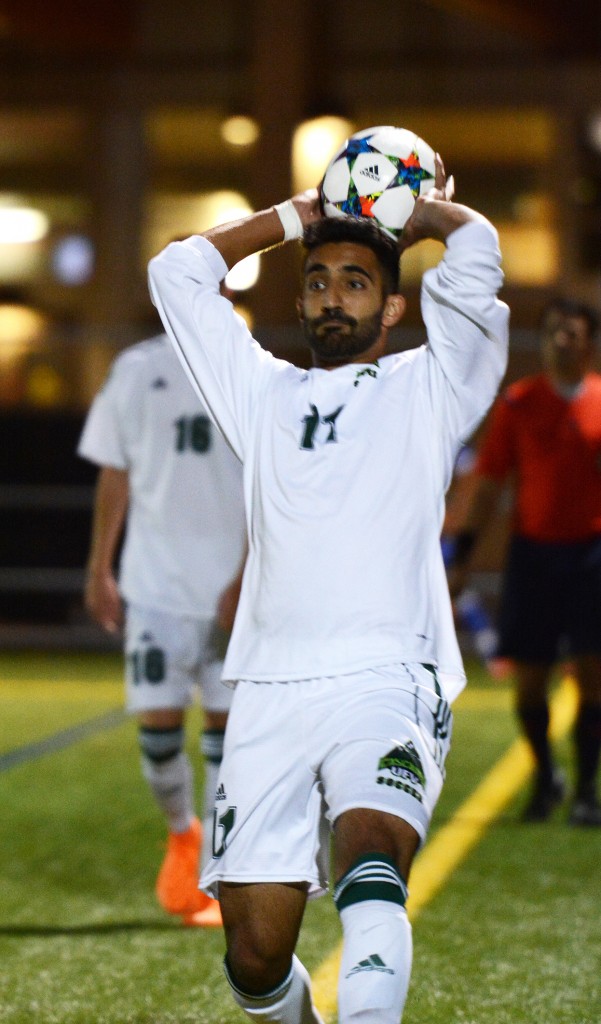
x,y
361,231
573,308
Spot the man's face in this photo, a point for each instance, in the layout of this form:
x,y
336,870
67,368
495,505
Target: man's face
x,y
342,304
567,347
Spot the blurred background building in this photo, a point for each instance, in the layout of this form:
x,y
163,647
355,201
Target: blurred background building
x,y
131,122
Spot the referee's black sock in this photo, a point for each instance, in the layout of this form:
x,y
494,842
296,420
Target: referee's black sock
x,y
587,737
534,719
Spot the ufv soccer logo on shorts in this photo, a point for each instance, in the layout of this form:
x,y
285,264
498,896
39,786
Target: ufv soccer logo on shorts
x,y
402,768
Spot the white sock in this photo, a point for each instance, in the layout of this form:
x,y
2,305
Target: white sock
x,y
376,963
171,783
211,747
289,1003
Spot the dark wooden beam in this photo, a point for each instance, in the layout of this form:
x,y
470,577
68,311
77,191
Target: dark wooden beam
x,y
550,24
105,28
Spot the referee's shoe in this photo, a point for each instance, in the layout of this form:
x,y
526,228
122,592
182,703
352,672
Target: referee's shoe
x,y
548,793
586,812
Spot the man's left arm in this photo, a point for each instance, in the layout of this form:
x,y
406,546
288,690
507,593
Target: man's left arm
x,y
469,277
467,324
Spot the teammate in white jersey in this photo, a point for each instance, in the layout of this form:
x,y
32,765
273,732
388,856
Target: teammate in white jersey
x,y
169,476
343,650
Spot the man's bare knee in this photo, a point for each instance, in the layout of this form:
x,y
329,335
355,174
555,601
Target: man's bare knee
x,y
364,830
261,924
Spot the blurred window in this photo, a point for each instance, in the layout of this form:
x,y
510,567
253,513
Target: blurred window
x,y
500,159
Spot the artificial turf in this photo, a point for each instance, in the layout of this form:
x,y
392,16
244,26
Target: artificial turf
x,y
513,938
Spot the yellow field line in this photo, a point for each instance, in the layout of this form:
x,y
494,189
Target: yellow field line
x,y
453,842
58,690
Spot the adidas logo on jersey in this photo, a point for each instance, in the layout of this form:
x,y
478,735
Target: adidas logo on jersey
x,y
220,794
372,963
159,383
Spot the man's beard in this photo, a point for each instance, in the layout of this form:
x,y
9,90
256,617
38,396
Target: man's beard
x,y
344,339
565,362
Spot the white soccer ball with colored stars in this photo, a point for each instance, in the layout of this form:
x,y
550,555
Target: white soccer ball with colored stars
x,y
378,173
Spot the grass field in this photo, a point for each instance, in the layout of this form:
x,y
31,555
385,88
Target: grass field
x,y
511,936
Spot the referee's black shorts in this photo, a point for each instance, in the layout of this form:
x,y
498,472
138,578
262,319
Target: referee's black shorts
x,y
551,601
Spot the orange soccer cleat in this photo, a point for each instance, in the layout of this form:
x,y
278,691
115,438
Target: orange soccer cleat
x,y
177,882
209,917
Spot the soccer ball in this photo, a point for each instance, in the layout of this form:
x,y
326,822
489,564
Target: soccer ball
x,y
378,173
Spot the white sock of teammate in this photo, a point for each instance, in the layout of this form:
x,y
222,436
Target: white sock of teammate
x,y
211,747
377,948
168,772
289,1003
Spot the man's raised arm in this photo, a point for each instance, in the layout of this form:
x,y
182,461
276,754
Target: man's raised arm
x,y
281,223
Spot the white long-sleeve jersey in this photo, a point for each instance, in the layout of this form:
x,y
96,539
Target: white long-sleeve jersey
x,y
345,470
185,533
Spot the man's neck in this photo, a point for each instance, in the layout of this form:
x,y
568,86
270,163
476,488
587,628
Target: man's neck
x,y
567,388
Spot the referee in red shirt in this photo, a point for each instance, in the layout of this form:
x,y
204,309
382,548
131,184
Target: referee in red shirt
x,y
545,437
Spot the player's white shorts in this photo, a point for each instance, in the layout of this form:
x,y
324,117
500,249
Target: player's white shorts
x,y
299,754
169,658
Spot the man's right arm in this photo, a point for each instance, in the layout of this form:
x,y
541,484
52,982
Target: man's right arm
x,y
101,595
263,230
495,462
483,501
226,367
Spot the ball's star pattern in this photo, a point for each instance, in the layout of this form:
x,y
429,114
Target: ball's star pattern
x,y
408,172
409,178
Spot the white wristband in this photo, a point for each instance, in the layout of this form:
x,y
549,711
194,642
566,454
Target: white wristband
x,y
291,222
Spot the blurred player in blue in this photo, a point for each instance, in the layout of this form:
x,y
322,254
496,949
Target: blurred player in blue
x,y
545,439
343,651
167,478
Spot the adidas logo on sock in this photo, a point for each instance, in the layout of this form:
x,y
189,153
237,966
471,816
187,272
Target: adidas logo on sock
x,y
220,794
372,963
